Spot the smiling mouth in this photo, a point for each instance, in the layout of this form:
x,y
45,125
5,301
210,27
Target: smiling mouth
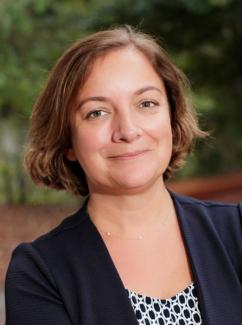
x,y
129,155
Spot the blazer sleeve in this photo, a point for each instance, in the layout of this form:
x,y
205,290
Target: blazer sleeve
x,y
31,295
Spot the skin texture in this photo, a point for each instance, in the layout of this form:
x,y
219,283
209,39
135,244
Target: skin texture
x,y
123,122
122,138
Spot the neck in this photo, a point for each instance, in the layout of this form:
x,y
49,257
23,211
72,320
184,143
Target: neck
x,y
131,214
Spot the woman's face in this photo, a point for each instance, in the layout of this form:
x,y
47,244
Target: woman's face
x,y
121,130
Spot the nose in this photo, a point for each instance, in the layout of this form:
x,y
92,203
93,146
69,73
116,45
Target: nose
x,y
125,128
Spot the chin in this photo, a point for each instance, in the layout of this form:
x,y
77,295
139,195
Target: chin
x,y
137,181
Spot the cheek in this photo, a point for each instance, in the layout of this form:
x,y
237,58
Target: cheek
x,y
160,129
89,141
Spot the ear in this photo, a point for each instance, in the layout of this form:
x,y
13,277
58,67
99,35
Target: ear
x,y
70,154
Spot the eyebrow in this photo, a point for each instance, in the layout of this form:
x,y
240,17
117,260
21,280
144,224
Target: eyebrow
x,y
105,99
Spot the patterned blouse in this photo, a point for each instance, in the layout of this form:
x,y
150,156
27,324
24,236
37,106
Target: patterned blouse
x,y
181,309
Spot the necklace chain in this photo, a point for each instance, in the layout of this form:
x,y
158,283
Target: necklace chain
x,y
138,237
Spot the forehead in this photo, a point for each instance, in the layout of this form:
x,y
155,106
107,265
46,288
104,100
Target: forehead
x,y
124,68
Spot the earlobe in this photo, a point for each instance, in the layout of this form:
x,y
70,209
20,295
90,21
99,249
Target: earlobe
x,y
70,154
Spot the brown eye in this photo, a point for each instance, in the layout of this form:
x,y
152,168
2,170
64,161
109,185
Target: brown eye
x,y
95,114
148,103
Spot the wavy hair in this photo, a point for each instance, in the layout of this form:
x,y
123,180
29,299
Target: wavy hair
x,y
49,135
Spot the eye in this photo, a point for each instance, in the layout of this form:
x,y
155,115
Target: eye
x,y
96,114
148,103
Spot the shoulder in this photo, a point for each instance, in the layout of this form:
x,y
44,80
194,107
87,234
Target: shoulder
x,y
210,217
74,227
64,238
221,217
39,273
184,199
210,207
217,226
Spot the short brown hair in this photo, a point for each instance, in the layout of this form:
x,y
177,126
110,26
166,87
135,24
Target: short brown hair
x,y
49,134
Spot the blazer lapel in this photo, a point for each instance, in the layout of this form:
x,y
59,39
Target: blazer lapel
x,y
217,284
112,304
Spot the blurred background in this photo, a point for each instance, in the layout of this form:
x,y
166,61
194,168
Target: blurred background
x,y
203,37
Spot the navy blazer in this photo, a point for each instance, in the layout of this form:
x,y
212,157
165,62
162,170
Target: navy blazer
x,y
68,277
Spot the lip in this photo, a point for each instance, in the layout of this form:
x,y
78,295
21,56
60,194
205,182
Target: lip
x,y
129,155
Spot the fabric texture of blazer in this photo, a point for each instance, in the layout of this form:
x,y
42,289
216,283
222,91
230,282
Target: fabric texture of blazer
x,y
68,277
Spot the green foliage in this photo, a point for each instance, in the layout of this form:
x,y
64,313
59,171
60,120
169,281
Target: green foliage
x,y
34,33
202,37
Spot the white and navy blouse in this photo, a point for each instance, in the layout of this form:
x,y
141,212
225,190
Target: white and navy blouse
x,y
181,309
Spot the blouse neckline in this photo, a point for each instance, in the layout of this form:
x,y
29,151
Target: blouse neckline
x,y
159,299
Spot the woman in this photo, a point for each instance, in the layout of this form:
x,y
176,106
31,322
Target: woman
x,y
112,123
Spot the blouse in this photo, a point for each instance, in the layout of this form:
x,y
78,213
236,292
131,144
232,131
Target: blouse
x,y
181,309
